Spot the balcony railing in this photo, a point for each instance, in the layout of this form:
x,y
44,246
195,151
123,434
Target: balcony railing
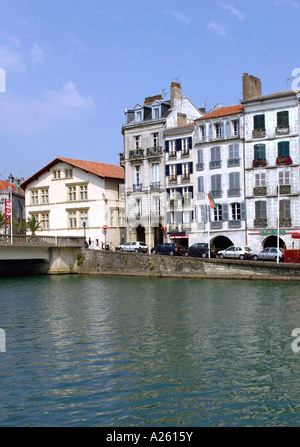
x,y
216,225
173,179
260,191
199,166
234,224
217,194
284,189
138,153
186,177
215,164
154,151
258,133
261,222
234,192
155,186
137,187
233,162
282,130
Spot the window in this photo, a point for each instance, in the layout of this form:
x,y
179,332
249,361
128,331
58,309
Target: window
x,y
284,209
155,171
138,116
187,217
111,218
283,149
45,221
201,184
216,185
235,125
215,157
259,151
218,130
284,178
185,171
156,113
72,219
234,180
156,206
173,172
83,218
56,174
137,175
202,133
69,173
34,197
282,119
234,151
72,193
122,221
260,180
138,206
235,211
44,196
259,122
83,194
155,139
185,145
137,141
200,213
260,209
218,213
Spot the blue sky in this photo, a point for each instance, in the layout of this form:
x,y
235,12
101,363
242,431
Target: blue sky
x,y
73,66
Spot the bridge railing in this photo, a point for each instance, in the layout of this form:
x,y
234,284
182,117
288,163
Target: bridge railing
x,y
38,240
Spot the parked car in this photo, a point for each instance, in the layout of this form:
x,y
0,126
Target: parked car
x,y
133,246
168,249
268,254
240,252
201,250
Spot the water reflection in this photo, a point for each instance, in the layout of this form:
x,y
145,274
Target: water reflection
x,y
125,351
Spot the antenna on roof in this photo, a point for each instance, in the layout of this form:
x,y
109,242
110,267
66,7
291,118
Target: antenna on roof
x,y
164,93
177,79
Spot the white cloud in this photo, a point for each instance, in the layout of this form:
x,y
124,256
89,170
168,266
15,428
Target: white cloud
x,y
179,16
217,28
11,60
37,54
293,3
54,109
235,12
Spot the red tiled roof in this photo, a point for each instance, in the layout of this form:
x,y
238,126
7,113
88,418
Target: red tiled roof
x,y
229,110
3,185
99,169
273,95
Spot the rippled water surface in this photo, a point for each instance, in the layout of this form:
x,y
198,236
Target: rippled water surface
x,y
102,351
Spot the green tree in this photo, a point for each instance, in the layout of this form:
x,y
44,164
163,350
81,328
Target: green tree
x,y
3,220
33,224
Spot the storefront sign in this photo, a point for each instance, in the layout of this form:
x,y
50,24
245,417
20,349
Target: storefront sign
x,y
272,233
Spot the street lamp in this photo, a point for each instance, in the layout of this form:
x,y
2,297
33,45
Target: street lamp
x,y
84,236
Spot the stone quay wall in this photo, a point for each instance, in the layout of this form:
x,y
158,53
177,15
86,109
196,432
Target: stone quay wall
x,y
95,262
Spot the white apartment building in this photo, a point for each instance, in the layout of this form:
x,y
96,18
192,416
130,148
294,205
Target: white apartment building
x,y
143,159
179,169
78,198
272,161
219,169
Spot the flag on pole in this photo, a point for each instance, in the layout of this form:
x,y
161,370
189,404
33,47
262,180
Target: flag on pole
x,y
105,199
211,200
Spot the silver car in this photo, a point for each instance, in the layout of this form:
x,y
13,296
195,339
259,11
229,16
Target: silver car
x,y
136,246
268,254
238,252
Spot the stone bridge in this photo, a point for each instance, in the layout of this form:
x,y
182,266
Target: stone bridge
x,y
42,254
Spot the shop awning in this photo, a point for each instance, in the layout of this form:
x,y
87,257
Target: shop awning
x,y
296,235
178,236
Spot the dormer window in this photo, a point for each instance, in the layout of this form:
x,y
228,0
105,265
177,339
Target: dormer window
x,y
138,116
155,113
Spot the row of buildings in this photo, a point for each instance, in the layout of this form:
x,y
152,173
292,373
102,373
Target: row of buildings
x,y
246,155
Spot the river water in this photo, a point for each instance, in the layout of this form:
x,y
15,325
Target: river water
x,y
117,351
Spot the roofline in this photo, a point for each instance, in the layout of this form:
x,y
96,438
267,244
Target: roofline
x,y
272,96
55,162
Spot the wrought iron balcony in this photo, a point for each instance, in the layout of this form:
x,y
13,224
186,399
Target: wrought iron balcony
x,y
233,162
155,186
137,187
234,192
199,166
260,191
155,151
215,164
138,153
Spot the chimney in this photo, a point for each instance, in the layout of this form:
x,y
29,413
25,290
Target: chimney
x,y
150,99
181,119
251,87
175,94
